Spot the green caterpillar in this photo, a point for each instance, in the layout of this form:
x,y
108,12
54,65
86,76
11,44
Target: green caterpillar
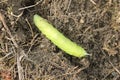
x,y
58,38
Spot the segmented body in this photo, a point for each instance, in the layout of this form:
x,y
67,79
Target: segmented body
x,y
58,38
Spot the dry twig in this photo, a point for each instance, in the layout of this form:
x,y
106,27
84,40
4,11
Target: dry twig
x,y
93,2
29,6
20,52
114,67
7,29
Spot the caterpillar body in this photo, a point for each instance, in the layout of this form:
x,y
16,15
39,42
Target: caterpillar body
x,y
58,38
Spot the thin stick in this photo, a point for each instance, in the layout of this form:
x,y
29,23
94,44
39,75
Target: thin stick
x,y
7,29
20,69
19,52
30,6
32,43
114,67
30,27
93,2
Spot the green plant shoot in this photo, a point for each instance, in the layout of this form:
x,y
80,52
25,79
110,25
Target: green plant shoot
x,y
58,38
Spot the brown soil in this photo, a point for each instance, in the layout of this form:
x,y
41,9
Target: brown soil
x,y
26,54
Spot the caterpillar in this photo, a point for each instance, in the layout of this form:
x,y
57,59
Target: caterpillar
x,y
58,38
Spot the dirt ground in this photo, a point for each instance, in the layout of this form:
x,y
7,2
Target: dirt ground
x,y
26,54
